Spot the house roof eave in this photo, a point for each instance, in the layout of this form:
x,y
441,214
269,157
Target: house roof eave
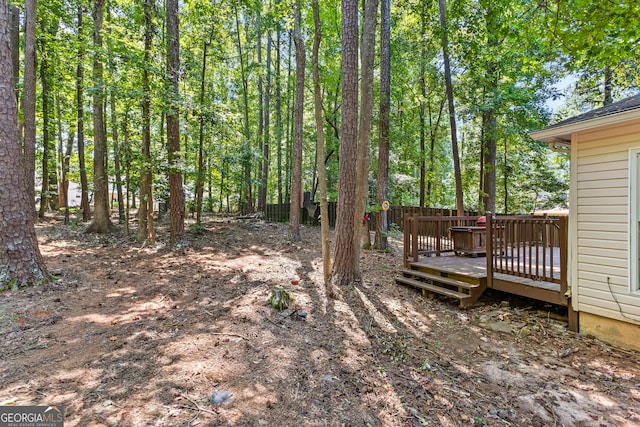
x,y
561,135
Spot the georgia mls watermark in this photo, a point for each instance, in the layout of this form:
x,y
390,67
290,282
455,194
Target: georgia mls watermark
x,y
32,416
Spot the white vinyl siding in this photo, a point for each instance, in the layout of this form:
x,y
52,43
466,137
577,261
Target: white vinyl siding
x,y
601,201
634,218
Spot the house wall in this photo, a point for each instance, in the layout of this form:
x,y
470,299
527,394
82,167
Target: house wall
x,y
600,270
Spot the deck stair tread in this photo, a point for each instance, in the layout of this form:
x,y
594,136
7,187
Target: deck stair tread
x,y
440,279
471,272
433,288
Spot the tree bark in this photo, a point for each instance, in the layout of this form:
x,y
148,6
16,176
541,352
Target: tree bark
x,y
320,164
45,194
262,196
296,174
382,225
146,230
176,195
452,112
345,269
101,222
20,261
278,129
367,54
200,179
246,198
29,102
84,184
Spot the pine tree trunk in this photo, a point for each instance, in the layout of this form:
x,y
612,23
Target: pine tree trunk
x,y
367,54
452,112
176,195
145,209
344,272
101,222
382,226
278,129
29,102
262,196
20,261
322,180
296,174
200,178
84,183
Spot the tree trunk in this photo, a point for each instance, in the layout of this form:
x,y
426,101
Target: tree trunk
x,y
489,126
608,86
262,196
101,222
382,226
345,265
45,194
296,175
176,195
14,11
320,164
20,261
29,102
367,54
200,179
260,135
245,189
433,135
278,129
452,112
146,230
489,122
114,134
84,184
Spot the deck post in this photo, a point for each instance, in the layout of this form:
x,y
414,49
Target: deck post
x,y
489,242
414,238
406,242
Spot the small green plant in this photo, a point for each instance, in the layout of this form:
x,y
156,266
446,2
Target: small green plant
x,y
426,366
279,298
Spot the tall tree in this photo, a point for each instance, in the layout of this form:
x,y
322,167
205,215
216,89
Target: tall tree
x,y
20,261
101,222
452,110
367,53
146,230
29,101
296,174
176,194
246,197
262,196
382,226
84,184
322,180
345,267
201,172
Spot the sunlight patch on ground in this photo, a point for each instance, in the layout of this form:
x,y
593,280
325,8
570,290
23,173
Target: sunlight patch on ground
x,y
94,318
413,319
382,321
121,292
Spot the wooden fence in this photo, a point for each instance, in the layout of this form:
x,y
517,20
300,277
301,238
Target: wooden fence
x,y
310,215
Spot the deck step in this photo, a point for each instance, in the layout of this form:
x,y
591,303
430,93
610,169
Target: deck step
x,y
465,299
440,279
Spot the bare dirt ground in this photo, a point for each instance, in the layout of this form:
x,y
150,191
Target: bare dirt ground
x,y
134,335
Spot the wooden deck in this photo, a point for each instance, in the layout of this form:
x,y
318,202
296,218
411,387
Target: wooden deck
x,y
524,256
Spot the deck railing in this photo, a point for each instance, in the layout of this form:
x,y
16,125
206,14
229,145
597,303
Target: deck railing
x,y
430,235
530,247
524,246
